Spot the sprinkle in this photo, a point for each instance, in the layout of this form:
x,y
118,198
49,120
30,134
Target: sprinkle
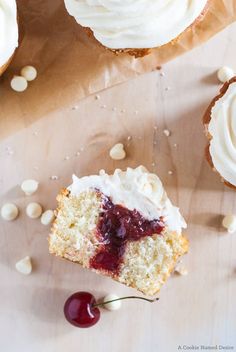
x,y
103,106
114,108
75,107
162,74
167,89
77,154
67,157
97,97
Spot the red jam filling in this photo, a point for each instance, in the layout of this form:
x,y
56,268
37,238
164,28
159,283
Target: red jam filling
x,y
118,226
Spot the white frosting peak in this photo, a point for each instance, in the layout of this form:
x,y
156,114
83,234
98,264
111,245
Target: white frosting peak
x,y
8,30
135,189
120,24
222,128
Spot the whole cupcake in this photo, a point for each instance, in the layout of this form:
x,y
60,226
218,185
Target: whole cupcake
x,y
8,32
220,126
136,26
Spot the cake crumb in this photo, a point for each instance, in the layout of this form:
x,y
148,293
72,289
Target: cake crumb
x,y
175,145
129,138
97,97
181,270
53,177
170,172
166,133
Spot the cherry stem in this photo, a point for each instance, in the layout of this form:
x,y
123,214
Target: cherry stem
x,y
122,298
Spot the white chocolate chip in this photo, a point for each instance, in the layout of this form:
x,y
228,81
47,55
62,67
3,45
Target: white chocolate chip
x,y
29,73
117,152
19,84
181,270
229,222
166,133
34,210
112,305
24,266
9,211
225,73
47,217
29,187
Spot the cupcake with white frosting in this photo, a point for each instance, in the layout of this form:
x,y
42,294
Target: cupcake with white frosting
x,y
122,226
220,126
8,32
136,26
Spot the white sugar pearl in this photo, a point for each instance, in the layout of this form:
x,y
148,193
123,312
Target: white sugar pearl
x,y
229,222
29,187
47,217
117,152
19,84
225,73
112,305
34,210
24,266
9,211
29,73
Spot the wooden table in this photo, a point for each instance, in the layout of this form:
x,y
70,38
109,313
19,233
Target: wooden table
x,y
198,309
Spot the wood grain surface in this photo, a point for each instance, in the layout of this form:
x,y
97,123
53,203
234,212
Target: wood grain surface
x,y
198,309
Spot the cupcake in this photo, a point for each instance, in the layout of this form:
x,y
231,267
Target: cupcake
x,y
122,226
8,32
220,127
136,26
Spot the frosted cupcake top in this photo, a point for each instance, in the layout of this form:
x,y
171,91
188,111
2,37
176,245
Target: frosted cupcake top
x,y
120,24
8,30
134,189
222,128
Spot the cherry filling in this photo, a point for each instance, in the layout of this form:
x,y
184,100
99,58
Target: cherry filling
x,y
118,226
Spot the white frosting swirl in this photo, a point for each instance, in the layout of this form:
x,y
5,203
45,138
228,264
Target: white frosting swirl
x,y
222,128
135,189
8,30
120,24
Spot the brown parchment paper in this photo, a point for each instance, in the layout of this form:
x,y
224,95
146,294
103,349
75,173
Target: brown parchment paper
x,y
72,66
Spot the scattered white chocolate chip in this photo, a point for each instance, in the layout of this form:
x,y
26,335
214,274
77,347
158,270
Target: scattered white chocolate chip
x,y
170,172
166,133
225,73
229,222
112,305
47,217
19,84
29,187
24,266
181,270
29,73
9,211
34,210
117,152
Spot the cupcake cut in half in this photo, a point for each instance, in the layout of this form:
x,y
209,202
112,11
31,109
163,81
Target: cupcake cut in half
x,y
136,26
122,226
220,127
8,32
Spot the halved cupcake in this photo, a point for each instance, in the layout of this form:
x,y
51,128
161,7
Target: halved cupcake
x,y
8,32
136,26
122,226
220,127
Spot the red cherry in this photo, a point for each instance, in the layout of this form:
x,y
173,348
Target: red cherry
x,y
79,310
